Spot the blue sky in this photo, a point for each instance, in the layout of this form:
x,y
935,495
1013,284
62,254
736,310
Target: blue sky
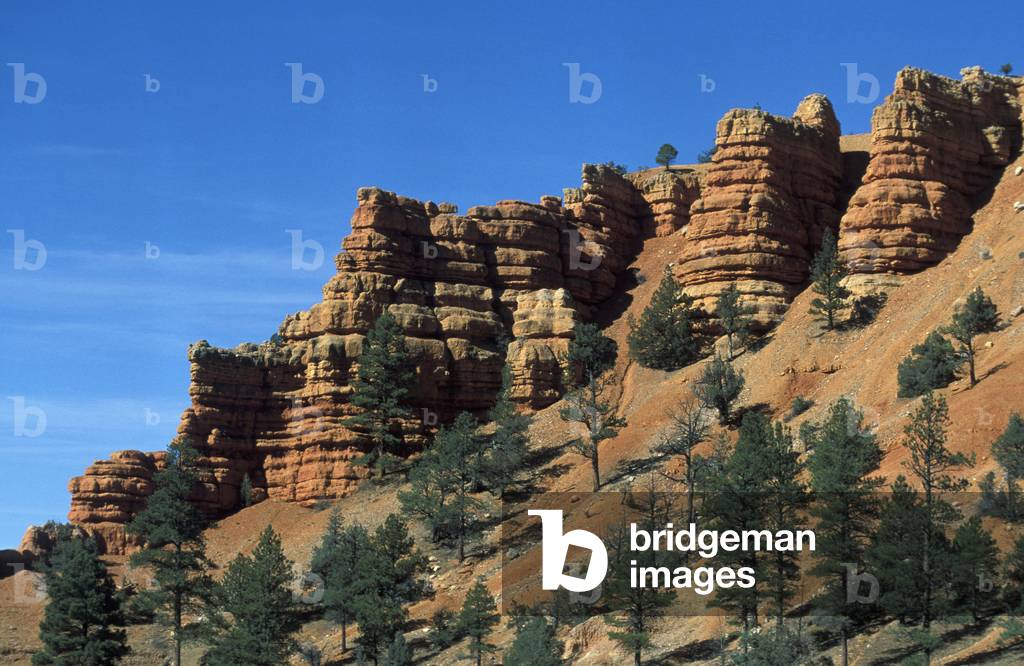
x,y
215,166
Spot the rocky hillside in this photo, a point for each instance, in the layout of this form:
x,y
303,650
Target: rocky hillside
x,y
923,208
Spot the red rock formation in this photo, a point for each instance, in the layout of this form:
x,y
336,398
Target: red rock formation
x,y
459,285
110,493
668,195
936,144
768,195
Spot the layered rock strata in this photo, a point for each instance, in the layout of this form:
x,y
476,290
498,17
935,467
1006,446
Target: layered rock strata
x,y
468,290
936,145
769,193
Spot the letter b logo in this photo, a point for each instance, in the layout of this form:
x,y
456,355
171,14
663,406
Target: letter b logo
x,y
555,548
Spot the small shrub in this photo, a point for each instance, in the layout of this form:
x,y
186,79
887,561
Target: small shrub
x,y
444,631
706,156
931,365
864,309
620,169
799,405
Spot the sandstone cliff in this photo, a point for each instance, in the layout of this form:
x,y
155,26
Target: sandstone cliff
x,y
771,190
506,283
936,145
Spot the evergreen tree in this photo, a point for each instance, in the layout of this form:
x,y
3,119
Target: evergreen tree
x,y
506,451
664,338
894,557
398,652
977,315
171,529
336,560
827,273
775,648
733,317
477,618
736,501
1008,451
784,496
590,355
974,564
1013,572
930,365
934,465
389,580
634,607
83,622
666,154
688,430
843,457
245,491
381,389
535,645
718,386
256,592
443,482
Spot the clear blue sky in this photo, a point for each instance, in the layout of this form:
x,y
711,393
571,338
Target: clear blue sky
x,y
214,166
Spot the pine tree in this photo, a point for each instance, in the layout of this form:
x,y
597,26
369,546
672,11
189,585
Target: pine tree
x,y
171,529
718,386
736,501
894,557
83,622
827,273
688,430
535,645
666,154
381,389
664,338
931,365
974,565
336,559
389,580
784,496
398,652
977,315
505,455
245,491
843,457
733,317
590,355
634,607
1008,451
256,592
934,465
443,481
477,618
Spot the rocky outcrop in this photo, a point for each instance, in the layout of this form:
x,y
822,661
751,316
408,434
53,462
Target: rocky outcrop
x,y
110,493
668,195
544,320
769,193
936,145
508,280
